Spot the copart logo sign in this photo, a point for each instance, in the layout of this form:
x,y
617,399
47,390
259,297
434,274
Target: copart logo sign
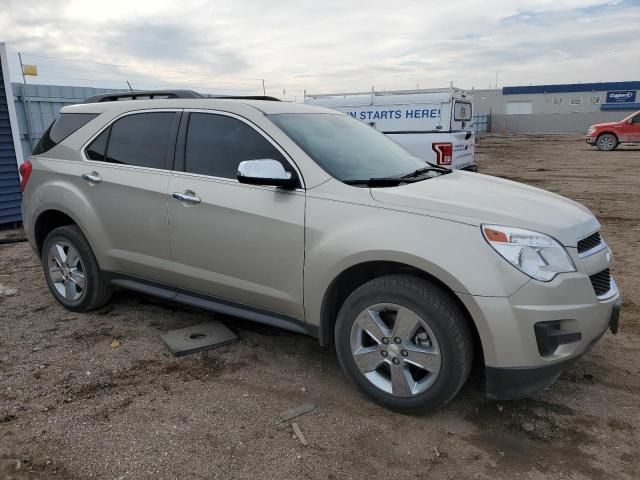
x,y
624,96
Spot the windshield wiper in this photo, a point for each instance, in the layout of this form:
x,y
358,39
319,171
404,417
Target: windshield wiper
x,y
422,171
379,182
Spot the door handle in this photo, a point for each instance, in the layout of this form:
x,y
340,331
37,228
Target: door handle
x,y
187,197
93,177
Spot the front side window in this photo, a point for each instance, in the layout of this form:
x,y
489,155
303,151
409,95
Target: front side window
x,y
141,139
61,128
636,119
346,148
216,144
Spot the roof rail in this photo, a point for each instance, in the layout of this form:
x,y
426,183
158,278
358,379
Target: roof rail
x,y
163,94
244,97
143,95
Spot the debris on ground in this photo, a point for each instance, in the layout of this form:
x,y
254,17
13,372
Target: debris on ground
x,y
297,411
115,343
6,291
299,434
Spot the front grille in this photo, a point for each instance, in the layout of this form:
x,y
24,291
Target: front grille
x,y
601,282
590,242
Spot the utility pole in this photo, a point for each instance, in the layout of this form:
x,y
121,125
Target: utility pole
x,y
25,103
497,80
264,91
130,89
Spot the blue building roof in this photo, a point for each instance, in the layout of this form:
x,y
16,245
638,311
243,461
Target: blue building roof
x,y
572,87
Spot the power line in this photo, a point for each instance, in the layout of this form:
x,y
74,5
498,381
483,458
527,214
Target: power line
x,y
126,74
130,67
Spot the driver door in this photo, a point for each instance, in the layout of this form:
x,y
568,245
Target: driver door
x,y
239,243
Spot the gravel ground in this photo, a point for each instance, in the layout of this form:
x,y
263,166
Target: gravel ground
x,y
74,407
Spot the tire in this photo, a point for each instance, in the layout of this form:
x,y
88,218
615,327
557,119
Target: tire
x,y
607,142
442,331
72,272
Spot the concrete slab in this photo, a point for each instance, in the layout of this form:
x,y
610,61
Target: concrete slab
x,y
198,338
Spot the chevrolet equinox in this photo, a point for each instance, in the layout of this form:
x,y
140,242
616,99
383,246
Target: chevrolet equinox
x,y
307,219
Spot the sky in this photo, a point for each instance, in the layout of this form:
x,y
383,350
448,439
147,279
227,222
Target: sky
x,y
322,46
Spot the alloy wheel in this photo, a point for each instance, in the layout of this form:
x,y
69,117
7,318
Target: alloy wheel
x,y
395,349
66,271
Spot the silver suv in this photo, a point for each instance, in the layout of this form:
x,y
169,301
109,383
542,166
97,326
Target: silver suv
x,y
306,219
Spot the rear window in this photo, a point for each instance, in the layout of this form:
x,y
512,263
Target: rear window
x,y
61,128
462,111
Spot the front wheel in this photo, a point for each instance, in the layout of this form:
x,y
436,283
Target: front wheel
x,y
607,142
404,342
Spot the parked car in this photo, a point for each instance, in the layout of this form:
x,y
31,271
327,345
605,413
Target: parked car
x,y
434,124
307,219
607,136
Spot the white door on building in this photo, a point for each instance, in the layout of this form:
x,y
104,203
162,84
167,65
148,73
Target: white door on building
x,y
519,108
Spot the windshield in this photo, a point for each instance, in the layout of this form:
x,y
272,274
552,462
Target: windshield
x,y
346,148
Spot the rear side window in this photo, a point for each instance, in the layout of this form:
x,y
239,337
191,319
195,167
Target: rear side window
x,y
216,144
98,148
61,128
141,139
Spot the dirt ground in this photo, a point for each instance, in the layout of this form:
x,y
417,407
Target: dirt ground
x,y
73,407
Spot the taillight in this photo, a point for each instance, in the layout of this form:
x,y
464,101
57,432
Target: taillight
x,y
24,169
444,153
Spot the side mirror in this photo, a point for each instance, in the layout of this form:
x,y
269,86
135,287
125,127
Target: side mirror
x,y
265,172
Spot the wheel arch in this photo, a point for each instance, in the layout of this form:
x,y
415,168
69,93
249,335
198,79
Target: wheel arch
x,y
356,275
610,132
52,218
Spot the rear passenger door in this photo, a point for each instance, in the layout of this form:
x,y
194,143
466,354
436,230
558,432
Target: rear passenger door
x,y
237,242
121,190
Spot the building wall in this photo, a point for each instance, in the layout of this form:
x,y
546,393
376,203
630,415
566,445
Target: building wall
x,y
10,196
569,108
551,122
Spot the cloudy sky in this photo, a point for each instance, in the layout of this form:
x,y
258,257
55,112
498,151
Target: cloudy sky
x,y
322,46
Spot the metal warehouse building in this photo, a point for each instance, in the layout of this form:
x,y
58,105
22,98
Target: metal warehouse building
x,y
567,108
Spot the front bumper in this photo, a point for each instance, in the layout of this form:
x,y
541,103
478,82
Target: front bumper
x,y
591,140
516,383
518,361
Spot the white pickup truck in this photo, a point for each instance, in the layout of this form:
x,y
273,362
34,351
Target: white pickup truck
x,y
435,124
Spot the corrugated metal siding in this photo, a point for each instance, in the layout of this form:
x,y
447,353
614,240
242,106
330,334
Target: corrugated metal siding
x,y
44,104
10,197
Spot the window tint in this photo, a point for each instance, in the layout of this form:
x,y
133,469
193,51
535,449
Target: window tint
x,y
61,128
217,144
98,147
141,139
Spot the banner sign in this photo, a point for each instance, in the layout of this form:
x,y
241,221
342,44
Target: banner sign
x,y
621,96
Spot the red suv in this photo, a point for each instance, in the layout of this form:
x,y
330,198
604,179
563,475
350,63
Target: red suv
x,y
607,136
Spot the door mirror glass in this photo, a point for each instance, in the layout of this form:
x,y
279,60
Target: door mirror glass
x,y
265,172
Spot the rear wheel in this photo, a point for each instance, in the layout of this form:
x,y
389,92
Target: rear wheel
x,y
404,342
71,270
607,142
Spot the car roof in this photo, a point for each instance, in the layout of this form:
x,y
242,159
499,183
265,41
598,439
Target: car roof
x,y
265,106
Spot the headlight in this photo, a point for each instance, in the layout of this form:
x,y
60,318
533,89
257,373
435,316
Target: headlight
x,y
591,129
535,254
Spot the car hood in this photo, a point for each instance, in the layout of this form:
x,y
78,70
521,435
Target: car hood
x,y
476,199
605,124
